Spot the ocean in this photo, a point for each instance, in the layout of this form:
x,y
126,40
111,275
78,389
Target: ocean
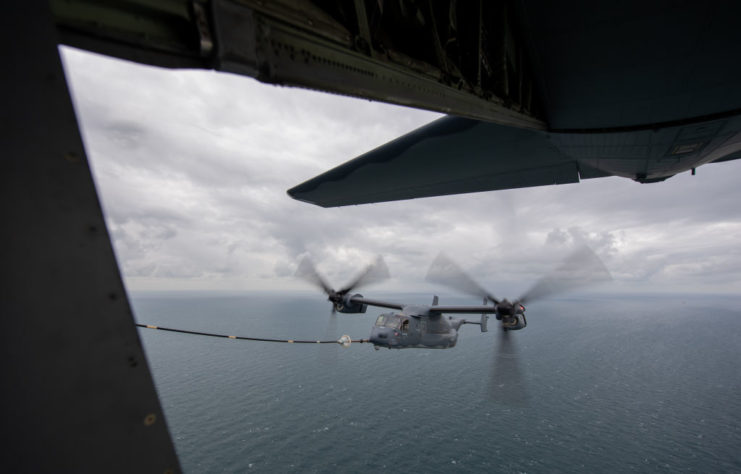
x,y
593,384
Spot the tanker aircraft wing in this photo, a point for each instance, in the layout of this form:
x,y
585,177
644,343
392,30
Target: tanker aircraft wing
x,y
626,89
457,155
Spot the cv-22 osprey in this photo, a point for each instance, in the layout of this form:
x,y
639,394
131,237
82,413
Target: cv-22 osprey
x,y
432,326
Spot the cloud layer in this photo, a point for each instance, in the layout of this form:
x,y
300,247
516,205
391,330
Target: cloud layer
x,y
192,169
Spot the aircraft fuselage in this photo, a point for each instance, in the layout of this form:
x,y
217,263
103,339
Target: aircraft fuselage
x,y
402,331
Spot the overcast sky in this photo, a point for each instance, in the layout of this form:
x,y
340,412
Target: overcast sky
x,y
192,168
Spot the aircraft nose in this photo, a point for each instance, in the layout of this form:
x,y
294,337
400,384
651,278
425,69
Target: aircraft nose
x,y
380,336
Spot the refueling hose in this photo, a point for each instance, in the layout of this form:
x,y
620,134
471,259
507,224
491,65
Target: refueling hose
x,y
344,341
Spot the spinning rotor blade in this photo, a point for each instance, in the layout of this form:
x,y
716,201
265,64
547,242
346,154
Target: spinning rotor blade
x,y
445,272
307,271
329,355
373,273
506,384
580,269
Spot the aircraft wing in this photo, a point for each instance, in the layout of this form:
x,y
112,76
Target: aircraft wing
x,y
458,155
463,309
379,303
449,156
432,309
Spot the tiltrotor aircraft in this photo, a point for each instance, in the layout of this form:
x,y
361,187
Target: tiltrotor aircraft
x,y
427,326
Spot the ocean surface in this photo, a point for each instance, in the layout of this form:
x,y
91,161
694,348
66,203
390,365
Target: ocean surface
x,y
593,384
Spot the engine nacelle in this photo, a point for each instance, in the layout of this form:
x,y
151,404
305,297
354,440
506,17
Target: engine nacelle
x,y
512,315
345,305
514,322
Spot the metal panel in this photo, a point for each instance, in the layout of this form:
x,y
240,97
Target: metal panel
x,y
78,395
449,156
631,63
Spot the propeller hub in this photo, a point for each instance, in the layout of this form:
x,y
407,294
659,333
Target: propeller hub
x,y
505,308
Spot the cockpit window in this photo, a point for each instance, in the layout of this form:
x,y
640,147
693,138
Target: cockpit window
x,y
392,321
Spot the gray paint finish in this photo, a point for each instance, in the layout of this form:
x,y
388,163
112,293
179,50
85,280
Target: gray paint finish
x,y
456,155
451,155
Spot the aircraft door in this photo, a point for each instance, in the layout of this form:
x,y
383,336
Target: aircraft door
x,y
404,328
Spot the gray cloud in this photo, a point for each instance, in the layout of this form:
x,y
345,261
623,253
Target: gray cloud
x,y
192,169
